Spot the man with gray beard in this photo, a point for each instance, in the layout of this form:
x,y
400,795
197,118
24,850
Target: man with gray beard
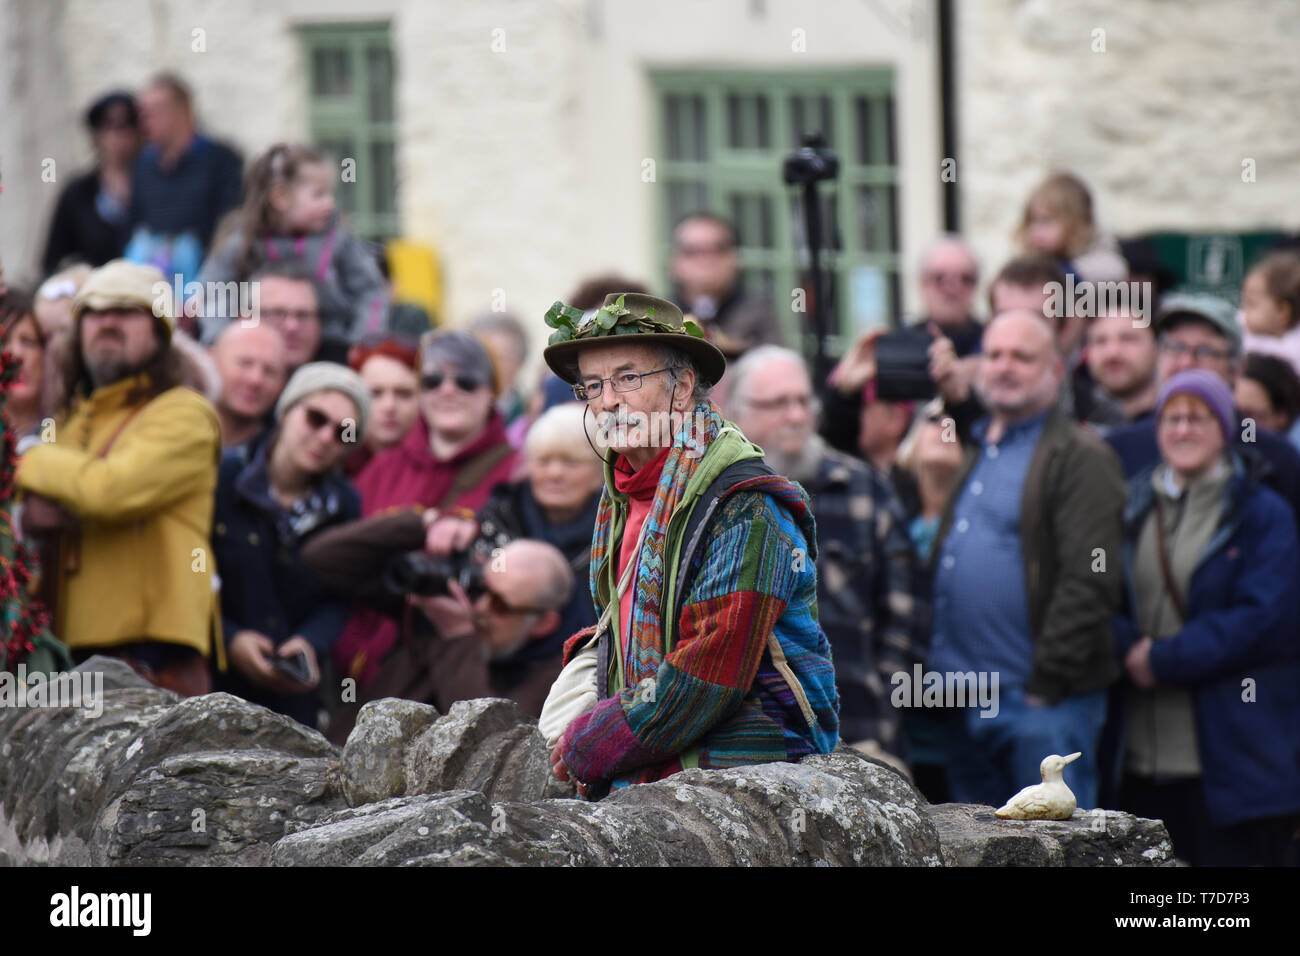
x,y
1026,576
866,585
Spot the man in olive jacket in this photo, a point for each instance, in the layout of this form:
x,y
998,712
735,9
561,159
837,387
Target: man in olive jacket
x,y
1026,576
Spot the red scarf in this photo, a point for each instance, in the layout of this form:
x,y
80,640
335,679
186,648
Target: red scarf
x,y
639,486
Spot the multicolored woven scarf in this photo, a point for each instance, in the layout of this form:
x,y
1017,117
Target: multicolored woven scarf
x,y
646,651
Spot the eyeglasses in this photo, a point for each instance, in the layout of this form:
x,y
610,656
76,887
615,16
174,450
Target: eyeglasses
x,y
801,402
1201,353
499,605
281,315
1191,421
966,279
716,249
592,388
316,420
432,381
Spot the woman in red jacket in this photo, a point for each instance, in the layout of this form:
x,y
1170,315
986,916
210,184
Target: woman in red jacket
x,y
452,458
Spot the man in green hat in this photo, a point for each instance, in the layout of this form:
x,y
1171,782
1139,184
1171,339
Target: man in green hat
x,y
708,652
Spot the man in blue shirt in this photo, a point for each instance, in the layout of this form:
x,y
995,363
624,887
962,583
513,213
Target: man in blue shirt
x,y
1026,575
182,185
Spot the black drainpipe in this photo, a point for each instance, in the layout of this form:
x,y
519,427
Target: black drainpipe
x,y
948,113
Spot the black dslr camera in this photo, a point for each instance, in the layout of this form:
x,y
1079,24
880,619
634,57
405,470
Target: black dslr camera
x,y
418,572
812,162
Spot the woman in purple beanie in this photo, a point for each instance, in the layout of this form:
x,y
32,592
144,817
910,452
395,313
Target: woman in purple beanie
x,y
1207,634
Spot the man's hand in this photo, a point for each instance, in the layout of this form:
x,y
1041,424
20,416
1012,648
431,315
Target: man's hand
x,y
448,533
286,684
858,366
250,654
952,376
451,614
1138,663
561,771
557,761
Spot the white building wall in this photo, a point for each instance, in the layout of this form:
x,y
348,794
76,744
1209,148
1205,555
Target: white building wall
x,y
522,166
1158,123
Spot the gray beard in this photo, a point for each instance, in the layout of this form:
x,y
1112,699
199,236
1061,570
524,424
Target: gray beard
x,y
802,467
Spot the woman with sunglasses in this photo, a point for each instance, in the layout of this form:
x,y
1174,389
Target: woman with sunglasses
x,y
457,449
279,621
1207,637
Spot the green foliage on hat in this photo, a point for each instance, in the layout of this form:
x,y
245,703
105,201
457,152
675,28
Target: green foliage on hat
x,y
615,319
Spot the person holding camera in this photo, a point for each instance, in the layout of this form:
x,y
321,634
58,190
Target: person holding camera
x,y
937,351
472,610
278,619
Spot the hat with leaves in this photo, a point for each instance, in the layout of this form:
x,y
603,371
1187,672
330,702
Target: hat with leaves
x,y
627,318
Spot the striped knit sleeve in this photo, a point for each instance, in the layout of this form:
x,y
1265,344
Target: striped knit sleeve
x,y
744,583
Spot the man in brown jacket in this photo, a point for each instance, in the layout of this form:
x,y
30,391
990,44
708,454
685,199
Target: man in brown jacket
x,y
1026,575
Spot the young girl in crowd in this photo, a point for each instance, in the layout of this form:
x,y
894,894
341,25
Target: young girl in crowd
x,y
1270,307
1058,222
288,218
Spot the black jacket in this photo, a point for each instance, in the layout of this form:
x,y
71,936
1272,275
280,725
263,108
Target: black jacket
x,y
78,232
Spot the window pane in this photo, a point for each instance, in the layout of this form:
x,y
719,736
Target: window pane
x,y
734,136
338,150
672,126
862,129
699,128
887,102
868,215
383,182
331,72
797,125
379,84
827,124
764,135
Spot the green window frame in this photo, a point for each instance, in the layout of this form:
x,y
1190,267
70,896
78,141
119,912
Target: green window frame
x,y
349,74
722,136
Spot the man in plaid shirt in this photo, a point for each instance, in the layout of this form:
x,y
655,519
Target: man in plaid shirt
x,y
867,588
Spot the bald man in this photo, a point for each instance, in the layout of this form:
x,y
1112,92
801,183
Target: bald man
x,y
459,646
1026,576
252,363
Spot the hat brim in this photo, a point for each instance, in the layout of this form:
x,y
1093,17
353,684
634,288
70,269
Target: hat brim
x,y
707,358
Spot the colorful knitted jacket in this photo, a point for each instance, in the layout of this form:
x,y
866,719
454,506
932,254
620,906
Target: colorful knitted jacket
x,y
708,693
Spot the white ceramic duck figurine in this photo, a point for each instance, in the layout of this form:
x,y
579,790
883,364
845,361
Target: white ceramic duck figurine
x,y
1049,800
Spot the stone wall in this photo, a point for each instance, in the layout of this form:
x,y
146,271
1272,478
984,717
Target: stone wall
x,y
215,781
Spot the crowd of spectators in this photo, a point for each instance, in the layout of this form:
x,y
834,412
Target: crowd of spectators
x,y
317,509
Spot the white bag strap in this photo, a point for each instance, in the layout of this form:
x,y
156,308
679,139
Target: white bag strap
x,y
785,670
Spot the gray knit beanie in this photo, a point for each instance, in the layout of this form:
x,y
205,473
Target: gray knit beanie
x,y
322,376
